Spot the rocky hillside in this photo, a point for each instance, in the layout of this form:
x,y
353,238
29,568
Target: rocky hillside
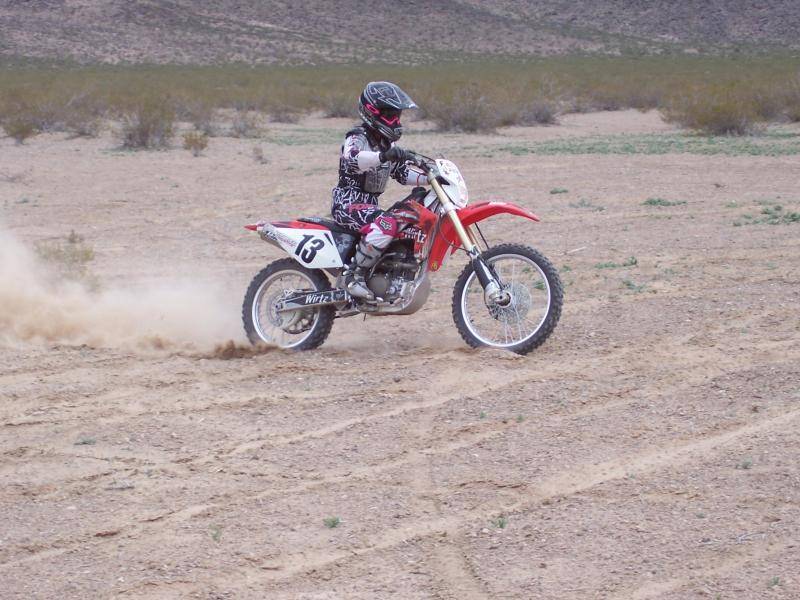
x,y
309,31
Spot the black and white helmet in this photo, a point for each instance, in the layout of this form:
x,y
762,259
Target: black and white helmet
x,y
380,106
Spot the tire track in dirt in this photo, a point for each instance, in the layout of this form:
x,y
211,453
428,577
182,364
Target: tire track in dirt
x,y
450,446
471,383
654,589
185,464
564,484
450,564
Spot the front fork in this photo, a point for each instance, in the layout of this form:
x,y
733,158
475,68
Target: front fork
x,y
493,292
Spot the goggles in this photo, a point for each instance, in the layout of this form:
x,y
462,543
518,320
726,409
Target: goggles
x,y
390,116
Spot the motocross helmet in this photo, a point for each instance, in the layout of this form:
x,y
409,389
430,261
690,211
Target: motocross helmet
x,y
380,106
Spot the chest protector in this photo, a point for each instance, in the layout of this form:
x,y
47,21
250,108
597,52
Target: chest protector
x,y
372,181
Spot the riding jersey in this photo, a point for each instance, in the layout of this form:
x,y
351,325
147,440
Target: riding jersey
x,y
362,178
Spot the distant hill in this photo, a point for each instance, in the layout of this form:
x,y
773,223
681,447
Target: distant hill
x,y
307,31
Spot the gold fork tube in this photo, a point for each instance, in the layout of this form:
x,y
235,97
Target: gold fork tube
x,y
466,240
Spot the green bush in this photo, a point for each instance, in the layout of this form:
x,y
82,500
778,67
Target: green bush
x,y
147,124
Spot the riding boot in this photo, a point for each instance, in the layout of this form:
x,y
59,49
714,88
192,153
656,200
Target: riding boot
x,y
355,280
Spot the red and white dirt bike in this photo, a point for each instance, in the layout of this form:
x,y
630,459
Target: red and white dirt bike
x,y
508,296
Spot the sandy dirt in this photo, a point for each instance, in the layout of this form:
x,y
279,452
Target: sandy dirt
x,y
648,450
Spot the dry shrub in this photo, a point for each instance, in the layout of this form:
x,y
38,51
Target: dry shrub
x,y
284,114
246,124
19,127
82,116
195,142
69,257
201,115
148,124
793,110
538,112
714,110
792,100
258,155
339,106
465,109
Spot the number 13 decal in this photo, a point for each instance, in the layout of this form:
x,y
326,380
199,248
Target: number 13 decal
x,y
307,251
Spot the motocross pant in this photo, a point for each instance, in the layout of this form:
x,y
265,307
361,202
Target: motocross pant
x,y
359,212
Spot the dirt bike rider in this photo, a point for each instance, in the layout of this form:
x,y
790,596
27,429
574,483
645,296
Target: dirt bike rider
x,y
368,158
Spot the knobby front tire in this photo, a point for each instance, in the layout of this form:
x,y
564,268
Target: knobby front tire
x,y
539,288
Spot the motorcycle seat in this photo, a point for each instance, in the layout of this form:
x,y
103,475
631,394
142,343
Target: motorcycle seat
x,y
330,224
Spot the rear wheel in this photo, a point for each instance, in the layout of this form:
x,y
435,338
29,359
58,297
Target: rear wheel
x,y
532,311
293,330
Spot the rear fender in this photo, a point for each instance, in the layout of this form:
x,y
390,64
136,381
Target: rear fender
x,y
447,238
310,244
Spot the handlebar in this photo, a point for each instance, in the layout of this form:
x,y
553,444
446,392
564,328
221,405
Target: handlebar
x,y
421,161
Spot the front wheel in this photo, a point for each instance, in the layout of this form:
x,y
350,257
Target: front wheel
x,y
295,330
528,318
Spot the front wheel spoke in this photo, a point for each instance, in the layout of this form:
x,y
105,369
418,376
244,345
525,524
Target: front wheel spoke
x,y
509,325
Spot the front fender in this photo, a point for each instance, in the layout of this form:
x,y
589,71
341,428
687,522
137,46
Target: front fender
x,y
447,237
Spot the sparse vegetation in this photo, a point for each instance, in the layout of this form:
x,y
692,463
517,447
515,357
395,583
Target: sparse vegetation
x,y
538,112
584,203
745,464
331,522
714,95
633,286
147,125
559,191
340,105
628,262
500,522
728,109
465,109
769,143
69,257
195,142
774,581
85,441
216,533
662,202
770,215
246,124
284,114
258,155
20,128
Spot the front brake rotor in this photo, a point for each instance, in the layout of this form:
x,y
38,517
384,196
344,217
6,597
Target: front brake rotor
x,y
517,309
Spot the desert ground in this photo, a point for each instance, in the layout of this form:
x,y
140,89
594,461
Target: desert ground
x,y
648,450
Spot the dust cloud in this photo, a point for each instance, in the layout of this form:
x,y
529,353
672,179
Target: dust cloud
x,y
35,305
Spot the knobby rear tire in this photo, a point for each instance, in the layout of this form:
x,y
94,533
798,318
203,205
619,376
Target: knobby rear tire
x,y
325,314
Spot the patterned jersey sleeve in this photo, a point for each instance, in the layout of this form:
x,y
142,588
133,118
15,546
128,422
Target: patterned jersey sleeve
x,y
405,176
357,156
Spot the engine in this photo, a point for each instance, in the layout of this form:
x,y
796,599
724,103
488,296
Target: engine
x,y
397,266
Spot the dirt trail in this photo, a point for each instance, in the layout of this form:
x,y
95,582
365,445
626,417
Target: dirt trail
x,y
648,450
